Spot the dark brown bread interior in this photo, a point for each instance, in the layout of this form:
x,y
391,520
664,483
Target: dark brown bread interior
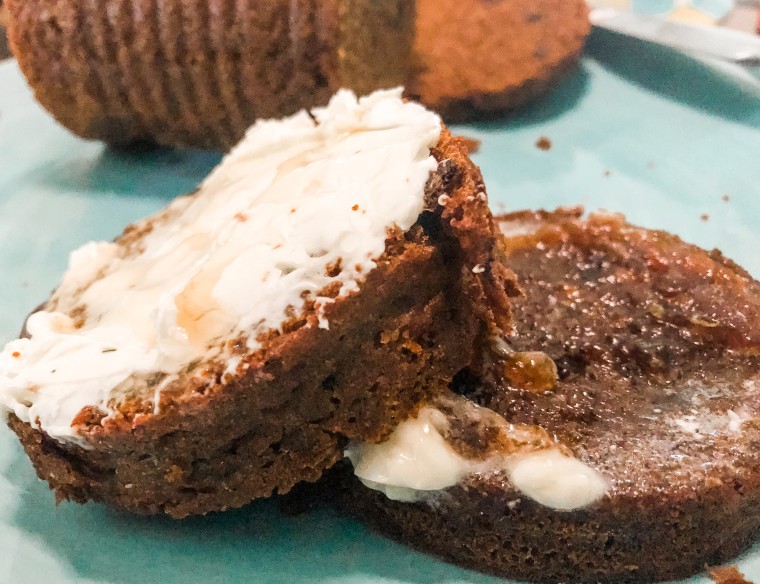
x,y
220,441
646,331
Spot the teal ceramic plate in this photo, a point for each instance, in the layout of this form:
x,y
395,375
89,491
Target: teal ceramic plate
x,y
665,140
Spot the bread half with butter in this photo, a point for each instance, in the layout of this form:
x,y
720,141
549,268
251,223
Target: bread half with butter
x,y
335,266
611,438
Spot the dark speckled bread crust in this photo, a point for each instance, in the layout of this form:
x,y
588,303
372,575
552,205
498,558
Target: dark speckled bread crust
x,y
220,440
656,344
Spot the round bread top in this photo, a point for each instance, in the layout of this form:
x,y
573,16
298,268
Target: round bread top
x,y
656,345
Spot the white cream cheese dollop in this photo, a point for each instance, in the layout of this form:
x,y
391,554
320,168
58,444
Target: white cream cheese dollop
x,y
295,197
417,461
556,480
416,458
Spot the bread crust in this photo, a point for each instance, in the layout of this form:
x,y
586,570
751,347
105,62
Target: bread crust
x,y
656,343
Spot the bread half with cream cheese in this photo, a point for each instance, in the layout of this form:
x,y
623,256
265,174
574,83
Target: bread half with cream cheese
x,y
612,437
335,266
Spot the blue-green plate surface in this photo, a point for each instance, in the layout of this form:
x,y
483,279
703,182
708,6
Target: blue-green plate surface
x,y
662,138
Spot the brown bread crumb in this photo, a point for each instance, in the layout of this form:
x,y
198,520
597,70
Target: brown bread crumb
x,y
727,575
472,145
543,143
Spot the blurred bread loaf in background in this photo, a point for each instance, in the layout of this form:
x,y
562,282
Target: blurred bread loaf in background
x,y
197,74
482,57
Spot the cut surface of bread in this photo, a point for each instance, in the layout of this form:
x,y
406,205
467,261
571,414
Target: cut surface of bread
x,y
638,353
334,267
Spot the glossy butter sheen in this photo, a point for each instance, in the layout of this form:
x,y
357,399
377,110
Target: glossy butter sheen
x,y
294,199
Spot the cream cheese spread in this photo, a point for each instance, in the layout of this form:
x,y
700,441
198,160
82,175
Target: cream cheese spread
x,y
300,204
556,480
417,461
